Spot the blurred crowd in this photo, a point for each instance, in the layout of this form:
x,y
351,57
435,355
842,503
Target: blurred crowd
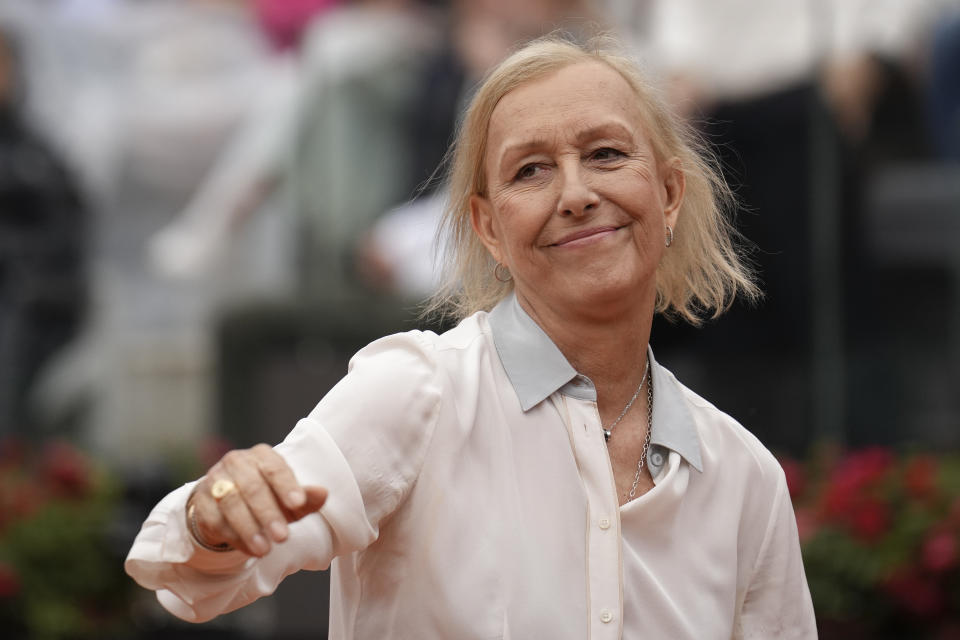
x,y
169,168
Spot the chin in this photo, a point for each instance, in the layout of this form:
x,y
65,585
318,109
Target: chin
x,y
606,298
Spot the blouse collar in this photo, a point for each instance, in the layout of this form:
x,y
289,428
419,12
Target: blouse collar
x,y
536,369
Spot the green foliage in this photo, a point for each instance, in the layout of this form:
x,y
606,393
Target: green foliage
x,y
880,535
60,577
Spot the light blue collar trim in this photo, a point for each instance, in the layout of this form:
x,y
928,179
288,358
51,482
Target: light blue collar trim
x,y
673,425
536,368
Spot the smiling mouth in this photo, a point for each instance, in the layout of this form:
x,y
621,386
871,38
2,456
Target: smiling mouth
x,y
586,236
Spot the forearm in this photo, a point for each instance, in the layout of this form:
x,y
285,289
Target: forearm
x,y
365,455
197,584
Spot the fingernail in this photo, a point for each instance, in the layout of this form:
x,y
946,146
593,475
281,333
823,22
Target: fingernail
x,y
279,530
296,498
260,544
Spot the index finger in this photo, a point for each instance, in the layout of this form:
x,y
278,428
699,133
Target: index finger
x,y
280,477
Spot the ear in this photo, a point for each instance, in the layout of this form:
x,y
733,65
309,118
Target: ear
x,y
485,225
674,183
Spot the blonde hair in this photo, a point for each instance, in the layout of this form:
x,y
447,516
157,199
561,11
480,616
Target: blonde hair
x,y
701,272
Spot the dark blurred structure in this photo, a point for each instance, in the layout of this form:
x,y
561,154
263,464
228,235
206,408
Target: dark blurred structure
x,y
43,220
816,112
901,248
944,86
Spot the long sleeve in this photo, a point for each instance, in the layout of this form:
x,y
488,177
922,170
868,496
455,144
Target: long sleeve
x,y
777,603
365,442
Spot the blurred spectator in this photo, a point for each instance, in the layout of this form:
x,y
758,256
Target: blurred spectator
x,y
790,94
327,133
43,243
342,170
478,35
173,78
396,253
377,76
944,93
284,20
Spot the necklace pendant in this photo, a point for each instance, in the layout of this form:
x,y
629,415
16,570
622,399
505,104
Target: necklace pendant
x,y
606,435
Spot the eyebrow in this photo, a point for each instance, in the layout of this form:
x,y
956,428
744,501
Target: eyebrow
x,y
523,147
607,129
604,130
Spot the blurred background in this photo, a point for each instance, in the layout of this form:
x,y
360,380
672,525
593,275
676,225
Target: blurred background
x,y
206,206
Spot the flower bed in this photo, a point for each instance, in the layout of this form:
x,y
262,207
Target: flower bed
x,y
60,574
880,535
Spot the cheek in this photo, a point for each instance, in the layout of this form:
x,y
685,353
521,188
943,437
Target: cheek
x,y
520,216
639,196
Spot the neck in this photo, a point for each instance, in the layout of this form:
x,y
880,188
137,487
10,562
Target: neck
x,y
610,349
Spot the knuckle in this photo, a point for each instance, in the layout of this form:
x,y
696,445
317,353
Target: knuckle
x,y
214,471
273,472
232,457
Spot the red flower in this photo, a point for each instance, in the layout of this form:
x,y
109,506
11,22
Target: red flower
x,y
920,477
939,552
866,467
850,494
65,470
915,593
869,519
9,582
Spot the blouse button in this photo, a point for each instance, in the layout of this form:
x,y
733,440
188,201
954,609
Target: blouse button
x,y
656,459
605,615
604,523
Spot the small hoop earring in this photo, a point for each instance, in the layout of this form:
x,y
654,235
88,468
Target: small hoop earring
x,y
669,240
496,274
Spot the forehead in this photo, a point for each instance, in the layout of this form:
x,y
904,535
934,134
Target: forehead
x,y
581,95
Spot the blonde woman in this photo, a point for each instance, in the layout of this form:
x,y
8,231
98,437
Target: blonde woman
x,y
533,472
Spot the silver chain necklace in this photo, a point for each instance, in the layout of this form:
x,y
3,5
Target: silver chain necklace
x,y
607,432
646,441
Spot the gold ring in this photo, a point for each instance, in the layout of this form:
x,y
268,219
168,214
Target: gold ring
x,y
221,488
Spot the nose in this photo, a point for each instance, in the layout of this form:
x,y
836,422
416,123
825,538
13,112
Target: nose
x,y
577,197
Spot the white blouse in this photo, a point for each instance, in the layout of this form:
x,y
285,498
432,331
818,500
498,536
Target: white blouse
x,y
471,496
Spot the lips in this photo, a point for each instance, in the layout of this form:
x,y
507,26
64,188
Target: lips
x,y
584,236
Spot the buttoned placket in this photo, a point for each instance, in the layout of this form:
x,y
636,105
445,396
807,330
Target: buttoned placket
x,y
603,546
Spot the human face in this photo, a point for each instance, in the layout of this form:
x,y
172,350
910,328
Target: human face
x,y
577,203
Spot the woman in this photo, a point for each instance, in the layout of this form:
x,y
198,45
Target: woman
x,y
533,472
